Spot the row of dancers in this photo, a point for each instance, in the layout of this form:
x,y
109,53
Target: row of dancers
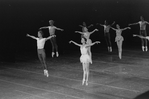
x,y
85,47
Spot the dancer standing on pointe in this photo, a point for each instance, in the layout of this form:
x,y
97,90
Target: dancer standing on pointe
x,y
52,29
40,49
107,34
86,34
142,24
85,59
119,38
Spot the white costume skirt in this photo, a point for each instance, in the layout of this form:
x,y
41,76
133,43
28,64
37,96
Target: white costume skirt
x,y
119,38
85,59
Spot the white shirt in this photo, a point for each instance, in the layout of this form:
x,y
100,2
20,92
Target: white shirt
x,y
40,43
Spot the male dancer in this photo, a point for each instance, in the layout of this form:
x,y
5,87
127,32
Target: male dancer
x,y
52,29
107,34
142,24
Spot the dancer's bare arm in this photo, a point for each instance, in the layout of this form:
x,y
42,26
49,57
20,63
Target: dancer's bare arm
x,y
50,37
75,43
33,37
133,23
126,28
93,31
97,42
79,32
59,29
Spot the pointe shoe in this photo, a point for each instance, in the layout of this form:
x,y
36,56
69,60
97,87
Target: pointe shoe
x,y
110,49
83,82
143,48
57,54
86,83
146,49
46,73
53,54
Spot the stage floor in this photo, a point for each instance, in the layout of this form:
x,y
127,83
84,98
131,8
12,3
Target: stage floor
x,y
110,77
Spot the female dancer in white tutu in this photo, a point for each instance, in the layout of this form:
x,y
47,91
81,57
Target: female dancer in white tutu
x,y
142,24
85,59
86,34
40,49
119,38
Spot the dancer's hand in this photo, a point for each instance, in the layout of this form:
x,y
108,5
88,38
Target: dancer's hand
x,y
129,27
97,42
70,41
134,35
129,24
27,34
96,29
53,36
76,31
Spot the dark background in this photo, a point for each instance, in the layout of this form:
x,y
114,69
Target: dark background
x,y
19,17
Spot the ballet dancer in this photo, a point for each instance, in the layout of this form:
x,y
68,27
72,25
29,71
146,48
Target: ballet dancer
x,y
86,34
85,58
40,49
142,24
119,38
107,34
52,29
85,26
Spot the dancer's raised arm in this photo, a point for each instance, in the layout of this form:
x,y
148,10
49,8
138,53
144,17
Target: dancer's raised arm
x,y
44,27
79,32
112,23
113,29
126,28
134,23
97,42
90,26
33,37
59,29
93,31
75,43
50,37
147,22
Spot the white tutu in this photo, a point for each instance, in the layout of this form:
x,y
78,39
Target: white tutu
x,y
119,38
85,59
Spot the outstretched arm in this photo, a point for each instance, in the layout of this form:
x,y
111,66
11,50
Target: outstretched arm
x,y
126,28
50,37
97,42
102,25
75,43
133,23
90,26
112,23
79,32
58,28
147,22
44,27
33,37
93,31
113,29
81,26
